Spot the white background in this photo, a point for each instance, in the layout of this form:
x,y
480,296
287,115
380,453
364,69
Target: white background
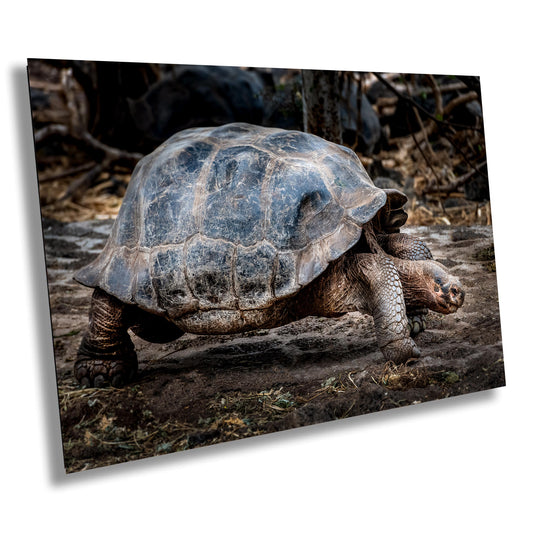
x,y
462,464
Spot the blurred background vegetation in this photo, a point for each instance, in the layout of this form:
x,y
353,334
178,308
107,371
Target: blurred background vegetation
x,y
420,133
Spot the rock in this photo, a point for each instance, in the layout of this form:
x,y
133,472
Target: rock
x,y
190,96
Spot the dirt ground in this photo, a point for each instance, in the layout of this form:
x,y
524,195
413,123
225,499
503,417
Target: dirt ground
x,y
202,390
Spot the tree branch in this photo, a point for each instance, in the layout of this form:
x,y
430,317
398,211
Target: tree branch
x,y
111,153
110,156
411,101
454,185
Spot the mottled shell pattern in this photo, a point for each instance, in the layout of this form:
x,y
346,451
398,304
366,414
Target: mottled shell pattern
x,y
233,217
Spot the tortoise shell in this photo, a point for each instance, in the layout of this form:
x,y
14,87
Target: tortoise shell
x,y
233,217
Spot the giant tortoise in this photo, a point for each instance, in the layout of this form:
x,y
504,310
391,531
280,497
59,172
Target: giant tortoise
x,y
240,227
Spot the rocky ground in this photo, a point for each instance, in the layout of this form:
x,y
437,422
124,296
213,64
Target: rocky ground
x,y
201,390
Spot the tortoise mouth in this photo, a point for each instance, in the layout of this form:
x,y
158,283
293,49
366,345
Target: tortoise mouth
x,y
445,306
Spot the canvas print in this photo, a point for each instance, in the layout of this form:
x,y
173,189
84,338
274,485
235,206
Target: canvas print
x,y
234,251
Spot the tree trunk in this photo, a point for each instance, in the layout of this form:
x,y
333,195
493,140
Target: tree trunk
x,y
321,104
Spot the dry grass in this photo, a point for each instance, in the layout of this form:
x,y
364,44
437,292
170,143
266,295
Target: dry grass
x,y
95,203
401,377
468,215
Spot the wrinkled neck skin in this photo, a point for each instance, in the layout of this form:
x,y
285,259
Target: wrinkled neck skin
x,y
333,293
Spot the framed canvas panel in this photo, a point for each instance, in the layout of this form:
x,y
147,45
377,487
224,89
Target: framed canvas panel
x,y
235,251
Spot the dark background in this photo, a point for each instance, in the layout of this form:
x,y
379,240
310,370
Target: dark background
x,y
420,133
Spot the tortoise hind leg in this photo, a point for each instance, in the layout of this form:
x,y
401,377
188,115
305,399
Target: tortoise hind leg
x,y
106,354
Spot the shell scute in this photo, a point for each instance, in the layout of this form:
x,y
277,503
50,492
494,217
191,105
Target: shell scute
x,y
297,195
143,289
168,279
292,143
165,206
232,208
236,130
285,277
352,185
209,267
253,275
118,275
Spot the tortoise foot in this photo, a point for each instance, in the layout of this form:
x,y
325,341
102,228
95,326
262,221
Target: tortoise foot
x,y
401,350
417,324
104,372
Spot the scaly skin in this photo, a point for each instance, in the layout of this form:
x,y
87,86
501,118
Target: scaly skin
x,y
106,354
407,247
383,299
428,284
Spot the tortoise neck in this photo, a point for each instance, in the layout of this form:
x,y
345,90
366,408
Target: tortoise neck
x,y
417,281
330,294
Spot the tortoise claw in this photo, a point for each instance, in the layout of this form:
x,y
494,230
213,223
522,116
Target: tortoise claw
x,y
417,324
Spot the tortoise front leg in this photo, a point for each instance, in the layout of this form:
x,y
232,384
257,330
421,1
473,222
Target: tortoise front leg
x,y
407,247
382,297
106,354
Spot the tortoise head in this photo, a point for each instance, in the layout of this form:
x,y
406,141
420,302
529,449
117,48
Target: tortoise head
x,y
392,215
445,293
427,284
